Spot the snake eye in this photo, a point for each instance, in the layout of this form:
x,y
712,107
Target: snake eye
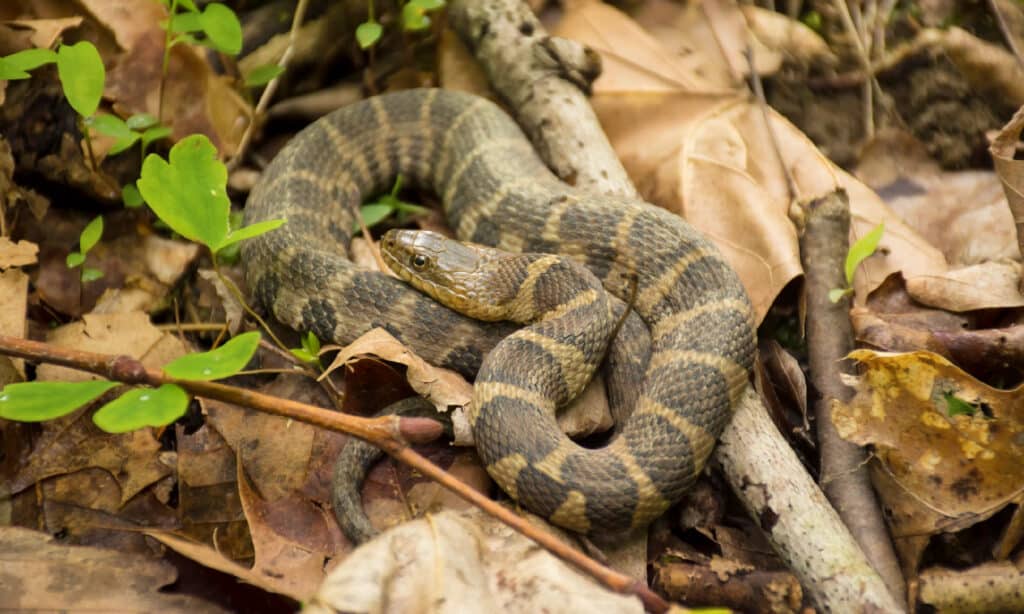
x,y
419,261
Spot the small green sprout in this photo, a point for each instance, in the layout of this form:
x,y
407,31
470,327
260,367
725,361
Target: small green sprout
x,y
86,241
387,205
858,252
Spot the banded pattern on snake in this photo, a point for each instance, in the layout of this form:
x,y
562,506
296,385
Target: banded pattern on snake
x,y
497,192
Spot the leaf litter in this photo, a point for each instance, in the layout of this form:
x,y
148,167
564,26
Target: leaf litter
x,y
256,486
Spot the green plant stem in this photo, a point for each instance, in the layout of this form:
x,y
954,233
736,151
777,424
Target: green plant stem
x,y
84,129
166,61
392,434
271,89
230,285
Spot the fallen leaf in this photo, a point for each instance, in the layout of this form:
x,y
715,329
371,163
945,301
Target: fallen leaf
x,y
129,334
704,151
988,285
41,574
458,558
209,557
443,387
22,253
13,297
948,449
292,539
1011,171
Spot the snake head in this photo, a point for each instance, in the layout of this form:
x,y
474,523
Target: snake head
x,y
471,279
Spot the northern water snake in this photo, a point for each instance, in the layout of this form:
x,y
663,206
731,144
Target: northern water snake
x,y
497,192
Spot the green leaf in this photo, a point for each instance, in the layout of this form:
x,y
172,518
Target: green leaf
x,y
414,18
131,197
427,5
188,193
75,259
142,407
861,250
186,22
9,72
250,231
222,27
225,361
38,401
81,75
110,125
368,33
114,126
141,121
375,213
154,134
30,59
91,274
956,406
310,343
262,75
303,355
123,144
91,234
836,294
188,5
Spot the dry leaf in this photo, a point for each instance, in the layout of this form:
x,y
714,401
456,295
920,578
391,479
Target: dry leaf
x,y
705,152
13,297
459,558
442,387
129,334
1010,171
43,575
292,539
988,285
208,557
22,253
948,448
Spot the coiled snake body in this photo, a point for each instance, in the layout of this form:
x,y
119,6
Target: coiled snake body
x,y
497,192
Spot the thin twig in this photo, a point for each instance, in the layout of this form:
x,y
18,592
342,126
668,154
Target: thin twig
x,y
844,13
271,89
392,434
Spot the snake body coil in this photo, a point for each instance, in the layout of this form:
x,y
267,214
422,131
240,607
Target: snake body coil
x,y
497,192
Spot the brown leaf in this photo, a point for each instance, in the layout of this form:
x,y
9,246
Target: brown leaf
x,y
292,539
458,558
705,152
213,559
937,468
13,296
443,387
40,574
22,253
988,285
1011,171
130,334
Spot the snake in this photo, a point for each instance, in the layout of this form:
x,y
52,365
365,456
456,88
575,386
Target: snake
x,y
497,192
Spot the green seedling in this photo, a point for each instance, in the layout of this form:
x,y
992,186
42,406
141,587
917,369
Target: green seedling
x,y
858,252
415,14
138,407
415,17
86,241
310,350
389,204
188,192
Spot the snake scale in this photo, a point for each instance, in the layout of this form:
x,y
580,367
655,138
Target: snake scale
x,y
496,191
